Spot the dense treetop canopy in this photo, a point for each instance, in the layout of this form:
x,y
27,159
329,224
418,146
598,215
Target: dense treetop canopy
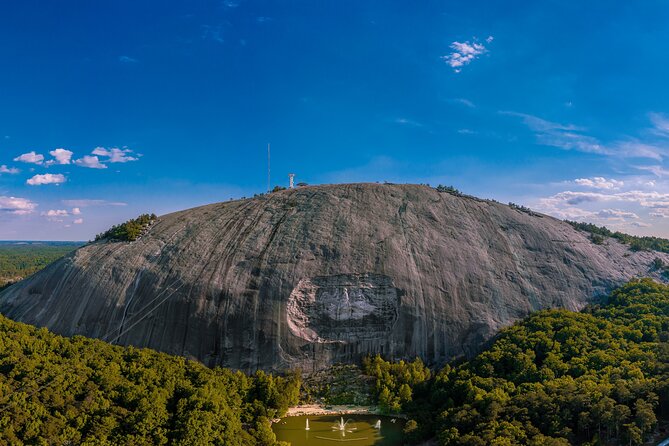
x,y
56,390
556,378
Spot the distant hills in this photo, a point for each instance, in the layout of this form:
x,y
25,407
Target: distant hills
x,y
19,259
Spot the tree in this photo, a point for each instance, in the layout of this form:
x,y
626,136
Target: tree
x,y
645,417
634,434
405,393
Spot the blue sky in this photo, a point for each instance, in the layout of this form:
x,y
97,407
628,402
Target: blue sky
x,y
158,106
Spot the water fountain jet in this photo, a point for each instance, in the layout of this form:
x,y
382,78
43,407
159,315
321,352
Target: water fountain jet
x,y
341,426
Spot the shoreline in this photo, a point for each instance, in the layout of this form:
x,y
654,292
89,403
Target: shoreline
x,y
317,409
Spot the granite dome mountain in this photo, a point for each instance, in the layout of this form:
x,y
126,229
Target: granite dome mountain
x,y
315,275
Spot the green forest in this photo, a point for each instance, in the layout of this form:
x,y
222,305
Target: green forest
x,y
18,260
57,391
597,377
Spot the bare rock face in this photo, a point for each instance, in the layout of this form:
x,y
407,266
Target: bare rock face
x,y
316,275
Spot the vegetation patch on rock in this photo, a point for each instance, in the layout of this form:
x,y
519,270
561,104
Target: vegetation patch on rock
x,y
129,231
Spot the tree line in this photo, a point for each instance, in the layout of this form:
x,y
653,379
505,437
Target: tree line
x,y
599,234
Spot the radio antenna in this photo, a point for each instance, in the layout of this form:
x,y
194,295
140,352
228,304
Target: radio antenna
x,y
268,168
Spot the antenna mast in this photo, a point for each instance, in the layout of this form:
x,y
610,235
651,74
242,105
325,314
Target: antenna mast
x,y
268,168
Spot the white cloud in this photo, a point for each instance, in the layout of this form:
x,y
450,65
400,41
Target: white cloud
x,y
9,170
16,205
61,156
92,162
599,183
30,157
464,53
114,154
46,178
55,213
76,211
645,199
78,221
584,206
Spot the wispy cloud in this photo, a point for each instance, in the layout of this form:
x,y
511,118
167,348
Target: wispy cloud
x,y
127,59
572,137
9,170
464,53
78,221
660,123
463,101
16,205
408,122
46,178
85,202
30,157
658,171
214,33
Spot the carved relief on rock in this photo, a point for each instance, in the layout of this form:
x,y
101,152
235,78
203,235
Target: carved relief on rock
x,y
343,307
